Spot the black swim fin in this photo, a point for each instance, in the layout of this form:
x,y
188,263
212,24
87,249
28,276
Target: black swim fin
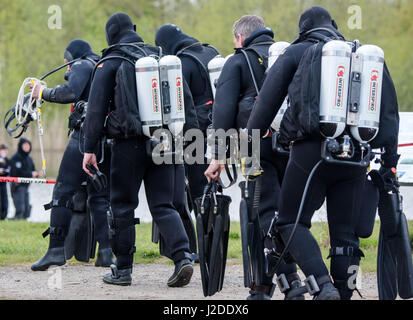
x,y
213,224
80,239
394,258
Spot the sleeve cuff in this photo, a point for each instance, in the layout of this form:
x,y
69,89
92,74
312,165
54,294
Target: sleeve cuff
x,y
390,161
90,146
46,95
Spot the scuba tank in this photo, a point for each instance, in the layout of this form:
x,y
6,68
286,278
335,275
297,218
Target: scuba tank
x,y
173,108
160,94
227,57
372,64
149,95
350,97
335,75
273,54
215,67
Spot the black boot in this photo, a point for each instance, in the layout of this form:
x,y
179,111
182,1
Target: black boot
x,y
182,274
53,257
328,292
118,277
263,292
105,258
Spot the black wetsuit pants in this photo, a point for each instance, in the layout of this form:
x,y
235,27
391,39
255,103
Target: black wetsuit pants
x,y
341,186
130,166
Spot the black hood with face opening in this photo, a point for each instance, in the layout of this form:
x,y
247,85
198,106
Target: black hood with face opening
x,y
171,39
315,17
121,29
77,49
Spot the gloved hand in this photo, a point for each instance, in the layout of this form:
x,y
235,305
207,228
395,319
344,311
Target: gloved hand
x,y
389,176
385,178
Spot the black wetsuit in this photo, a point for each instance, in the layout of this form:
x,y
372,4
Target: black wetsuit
x,y
130,166
341,185
233,103
71,175
195,57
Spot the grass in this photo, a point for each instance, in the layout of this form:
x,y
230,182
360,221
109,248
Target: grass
x,y
21,243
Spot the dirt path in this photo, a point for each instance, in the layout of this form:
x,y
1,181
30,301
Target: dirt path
x,y
84,282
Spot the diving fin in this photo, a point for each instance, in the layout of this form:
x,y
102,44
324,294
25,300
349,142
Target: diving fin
x,y
386,270
404,261
216,257
394,258
155,233
164,249
79,241
246,258
202,255
213,225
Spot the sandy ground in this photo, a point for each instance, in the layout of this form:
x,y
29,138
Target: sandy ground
x,y
84,282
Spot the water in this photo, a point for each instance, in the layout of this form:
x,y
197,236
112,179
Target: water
x,y
42,194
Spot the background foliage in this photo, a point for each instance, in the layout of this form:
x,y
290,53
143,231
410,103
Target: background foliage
x,y
29,48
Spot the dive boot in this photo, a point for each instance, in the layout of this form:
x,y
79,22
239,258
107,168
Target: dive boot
x,y
182,274
328,292
53,257
261,292
105,258
118,277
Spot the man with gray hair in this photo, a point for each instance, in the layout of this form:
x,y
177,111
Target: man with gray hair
x,y
237,89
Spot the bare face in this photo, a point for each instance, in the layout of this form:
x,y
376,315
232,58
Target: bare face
x,y
4,153
68,67
239,41
26,147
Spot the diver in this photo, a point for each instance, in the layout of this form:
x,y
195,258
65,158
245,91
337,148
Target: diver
x,y
195,57
71,176
235,96
131,163
340,184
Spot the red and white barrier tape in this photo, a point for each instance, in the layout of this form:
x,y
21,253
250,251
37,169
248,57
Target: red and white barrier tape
x,y
27,180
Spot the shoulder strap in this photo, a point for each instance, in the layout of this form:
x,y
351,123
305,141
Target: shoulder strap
x,y
121,48
244,52
252,49
204,68
111,58
211,47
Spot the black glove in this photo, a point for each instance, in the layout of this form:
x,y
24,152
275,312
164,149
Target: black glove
x,y
99,180
389,176
385,179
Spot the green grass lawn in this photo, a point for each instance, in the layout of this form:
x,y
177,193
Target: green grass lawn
x,y
21,243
